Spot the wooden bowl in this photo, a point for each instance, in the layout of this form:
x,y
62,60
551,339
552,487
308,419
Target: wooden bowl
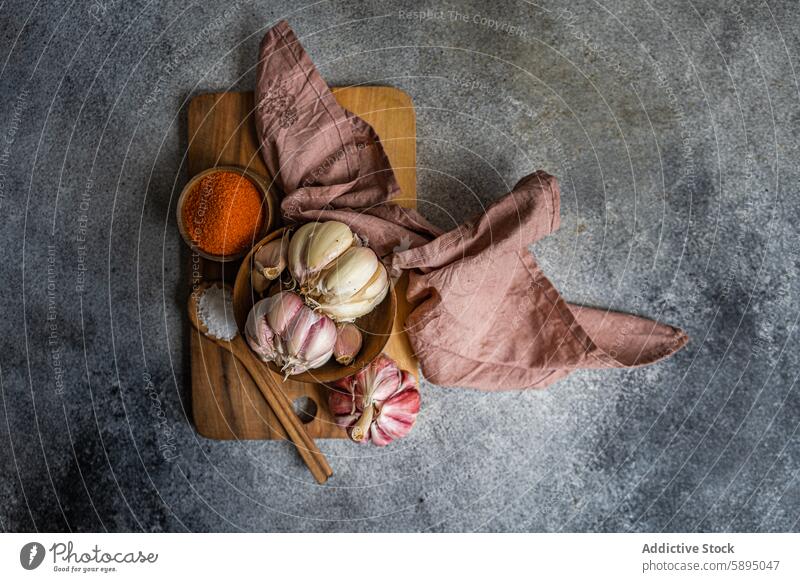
x,y
376,326
270,205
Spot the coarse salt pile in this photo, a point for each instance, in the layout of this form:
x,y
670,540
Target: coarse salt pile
x,y
216,312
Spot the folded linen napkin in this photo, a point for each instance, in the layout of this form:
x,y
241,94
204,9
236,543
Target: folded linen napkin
x,y
486,315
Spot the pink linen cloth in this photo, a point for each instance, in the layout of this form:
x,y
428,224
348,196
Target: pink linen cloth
x,y
486,315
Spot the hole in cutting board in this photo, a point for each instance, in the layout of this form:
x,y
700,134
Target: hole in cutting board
x,y
305,408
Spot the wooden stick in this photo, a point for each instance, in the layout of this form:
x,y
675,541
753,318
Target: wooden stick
x,y
306,444
310,453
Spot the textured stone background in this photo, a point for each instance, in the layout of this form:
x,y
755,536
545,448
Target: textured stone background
x,y
673,127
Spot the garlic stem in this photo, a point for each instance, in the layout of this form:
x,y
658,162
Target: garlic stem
x,y
360,429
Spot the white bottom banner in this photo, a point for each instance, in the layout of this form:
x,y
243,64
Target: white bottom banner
x,y
401,557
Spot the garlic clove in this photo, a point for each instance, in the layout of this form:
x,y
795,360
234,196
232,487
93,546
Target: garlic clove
x,y
342,406
311,338
299,330
297,251
386,379
378,436
329,240
365,381
398,413
283,308
319,361
319,348
350,311
377,286
348,274
270,258
258,333
257,281
363,302
396,416
348,343
315,245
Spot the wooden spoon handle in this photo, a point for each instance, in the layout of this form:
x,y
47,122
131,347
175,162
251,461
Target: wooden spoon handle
x,y
306,447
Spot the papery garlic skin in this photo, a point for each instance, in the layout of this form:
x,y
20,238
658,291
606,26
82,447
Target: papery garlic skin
x,y
348,343
335,274
379,404
282,329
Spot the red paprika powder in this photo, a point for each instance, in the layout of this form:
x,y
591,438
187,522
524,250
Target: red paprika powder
x,y
222,213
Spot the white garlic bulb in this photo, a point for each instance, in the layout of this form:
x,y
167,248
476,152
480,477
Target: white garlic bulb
x,y
336,275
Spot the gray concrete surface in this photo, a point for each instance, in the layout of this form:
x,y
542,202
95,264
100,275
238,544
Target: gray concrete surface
x,y
673,127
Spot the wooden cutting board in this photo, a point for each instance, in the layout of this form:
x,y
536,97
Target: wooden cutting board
x,y
225,402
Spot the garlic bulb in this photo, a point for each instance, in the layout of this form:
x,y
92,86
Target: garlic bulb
x,y
379,404
282,329
269,261
348,343
335,273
